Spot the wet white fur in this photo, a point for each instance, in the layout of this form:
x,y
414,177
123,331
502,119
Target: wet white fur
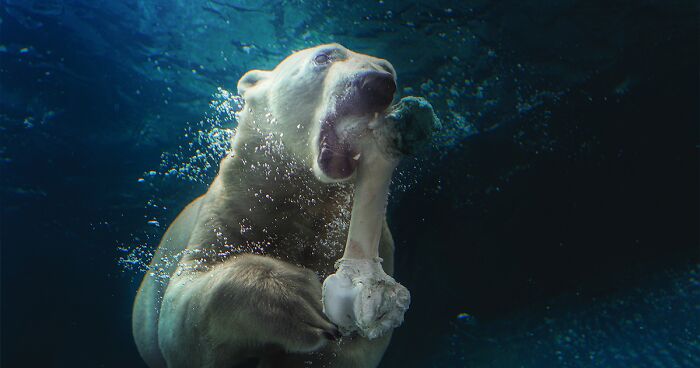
x,y
217,308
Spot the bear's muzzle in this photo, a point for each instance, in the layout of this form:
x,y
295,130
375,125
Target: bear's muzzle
x,y
367,92
376,90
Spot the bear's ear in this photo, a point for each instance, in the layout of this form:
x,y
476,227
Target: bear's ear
x,y
251,79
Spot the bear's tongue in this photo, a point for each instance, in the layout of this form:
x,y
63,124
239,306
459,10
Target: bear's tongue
x,y
335,158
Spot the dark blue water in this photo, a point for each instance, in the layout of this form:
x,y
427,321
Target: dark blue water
x,y
554,222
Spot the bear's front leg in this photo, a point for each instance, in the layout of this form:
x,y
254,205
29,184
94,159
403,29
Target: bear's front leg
x,y
246,307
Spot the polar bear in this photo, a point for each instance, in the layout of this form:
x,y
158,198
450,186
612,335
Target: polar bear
x,y
242,264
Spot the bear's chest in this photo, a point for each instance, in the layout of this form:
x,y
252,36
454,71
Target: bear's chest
x,y
311,237
313,242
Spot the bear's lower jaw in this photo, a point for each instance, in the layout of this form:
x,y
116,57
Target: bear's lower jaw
x,y
335,160
338,141
335,165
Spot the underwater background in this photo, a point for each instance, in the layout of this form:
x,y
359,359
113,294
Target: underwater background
x,y
553,223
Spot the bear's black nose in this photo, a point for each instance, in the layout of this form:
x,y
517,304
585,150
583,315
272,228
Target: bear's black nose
x,y
376,89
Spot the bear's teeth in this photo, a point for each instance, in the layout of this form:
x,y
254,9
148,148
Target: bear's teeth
x,y
356,157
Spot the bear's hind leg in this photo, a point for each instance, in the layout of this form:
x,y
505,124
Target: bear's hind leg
x,y
350,352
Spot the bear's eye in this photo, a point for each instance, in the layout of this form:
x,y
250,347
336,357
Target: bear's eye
x,y
322,59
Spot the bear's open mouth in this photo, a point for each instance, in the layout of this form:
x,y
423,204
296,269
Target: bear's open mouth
x,y
336,158
339,142
364,97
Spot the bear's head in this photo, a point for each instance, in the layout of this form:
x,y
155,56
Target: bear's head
x,y
314,106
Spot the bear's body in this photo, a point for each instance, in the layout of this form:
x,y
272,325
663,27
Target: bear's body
x,y
246,259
